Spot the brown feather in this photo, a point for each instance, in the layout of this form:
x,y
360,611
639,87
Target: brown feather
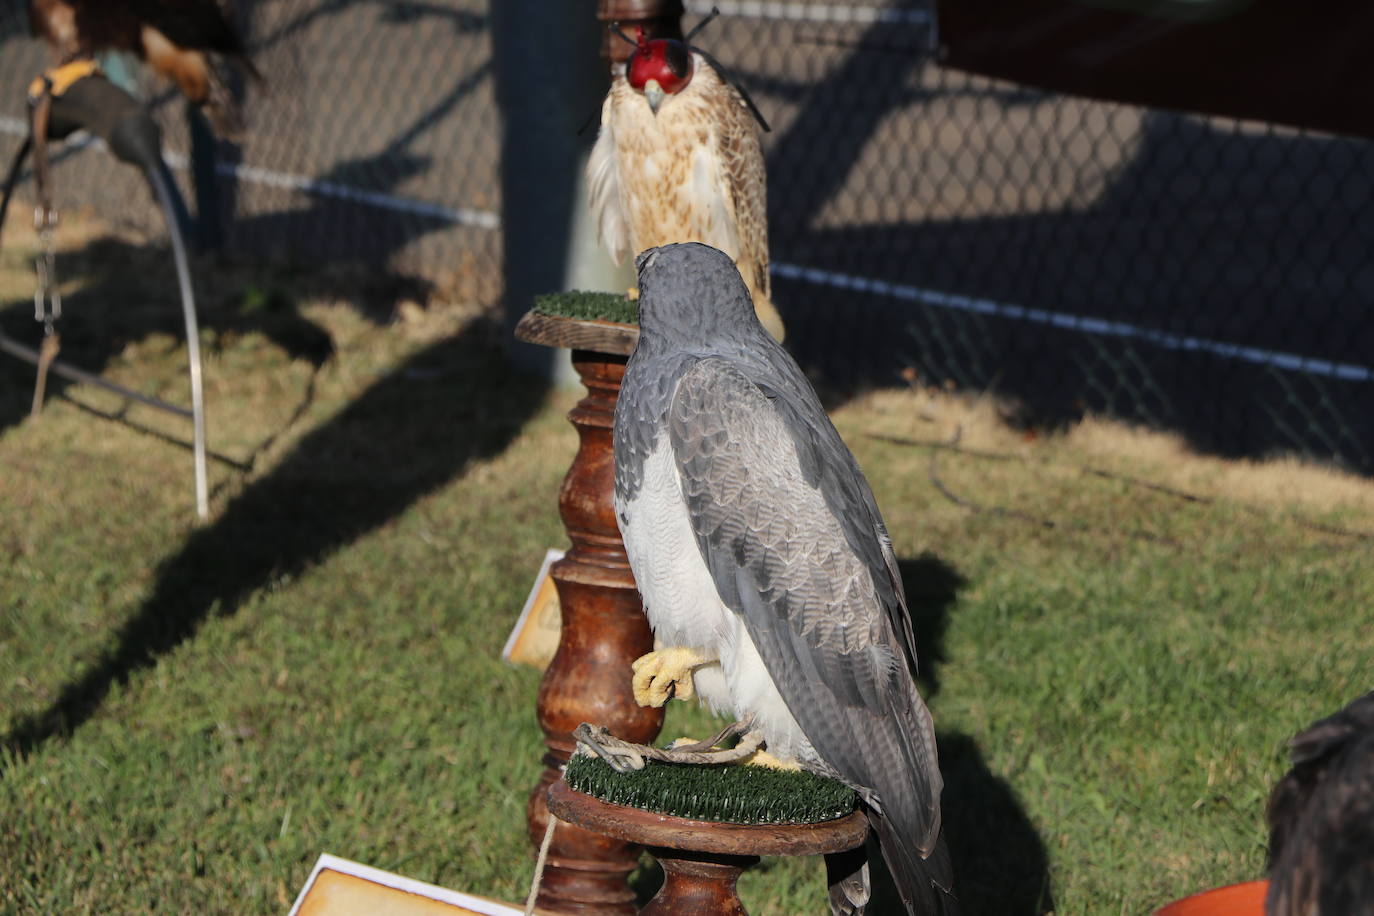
x,y
693,172
188,69
85,28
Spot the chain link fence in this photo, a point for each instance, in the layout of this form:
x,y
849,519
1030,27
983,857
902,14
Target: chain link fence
x,y
1196,274
373,141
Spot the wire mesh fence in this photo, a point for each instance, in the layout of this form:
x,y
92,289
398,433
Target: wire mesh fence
x,y
373,140
1198,274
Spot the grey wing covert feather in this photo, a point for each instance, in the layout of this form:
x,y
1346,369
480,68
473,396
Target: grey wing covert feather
x,y
813,605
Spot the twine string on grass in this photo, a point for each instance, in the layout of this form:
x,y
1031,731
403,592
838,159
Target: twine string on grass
x,y
539,863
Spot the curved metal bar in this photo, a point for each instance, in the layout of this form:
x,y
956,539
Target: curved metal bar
x,y
30,355
12,178
160,180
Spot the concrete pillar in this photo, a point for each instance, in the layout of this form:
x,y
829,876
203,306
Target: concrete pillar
x,y
550,79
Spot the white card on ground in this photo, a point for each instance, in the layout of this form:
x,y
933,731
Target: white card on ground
x,y
339,887
534,639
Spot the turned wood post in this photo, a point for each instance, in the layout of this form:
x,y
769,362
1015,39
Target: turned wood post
x,y
604,627
702,860
698,883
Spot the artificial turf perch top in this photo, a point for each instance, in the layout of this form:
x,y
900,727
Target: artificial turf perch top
x,y
727,794
589,306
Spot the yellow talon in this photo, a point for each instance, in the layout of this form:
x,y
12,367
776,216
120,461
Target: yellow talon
x,y
664,673
765,759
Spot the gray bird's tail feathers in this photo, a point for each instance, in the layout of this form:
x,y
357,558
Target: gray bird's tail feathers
x,y
846,877
925,885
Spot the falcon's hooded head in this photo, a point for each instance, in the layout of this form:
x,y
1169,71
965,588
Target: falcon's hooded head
x,y
659,67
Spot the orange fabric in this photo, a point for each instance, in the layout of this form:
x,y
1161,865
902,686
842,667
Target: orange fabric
x,y
1233,900
61,78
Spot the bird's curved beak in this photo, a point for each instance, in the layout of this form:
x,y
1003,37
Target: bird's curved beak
x,y
653,93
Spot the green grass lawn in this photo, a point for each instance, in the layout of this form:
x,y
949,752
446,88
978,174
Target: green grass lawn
x,y
190,714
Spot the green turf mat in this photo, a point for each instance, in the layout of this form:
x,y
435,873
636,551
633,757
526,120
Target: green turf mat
x,y
735,794
588,305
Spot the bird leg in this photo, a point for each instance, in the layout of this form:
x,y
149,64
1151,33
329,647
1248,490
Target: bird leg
x,y
625,756
759,758
666,673
732,730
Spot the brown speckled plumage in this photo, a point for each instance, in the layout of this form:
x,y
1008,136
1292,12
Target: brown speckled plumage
x,y
693,172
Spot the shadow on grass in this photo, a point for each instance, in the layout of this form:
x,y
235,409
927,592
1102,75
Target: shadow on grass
x,y
413,431
1001,867
646,880
127,293
931,585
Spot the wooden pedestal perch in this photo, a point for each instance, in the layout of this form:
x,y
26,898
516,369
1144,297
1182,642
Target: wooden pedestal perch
x,y
702,860
604,628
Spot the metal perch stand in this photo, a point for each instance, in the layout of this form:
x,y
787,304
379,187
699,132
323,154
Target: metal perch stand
x,y
97,105
163,191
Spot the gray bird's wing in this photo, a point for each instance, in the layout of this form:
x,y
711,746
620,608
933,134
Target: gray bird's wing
x,y
791,535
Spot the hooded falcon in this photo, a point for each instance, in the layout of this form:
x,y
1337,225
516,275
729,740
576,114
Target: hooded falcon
x,y
766,570
186,41
677,159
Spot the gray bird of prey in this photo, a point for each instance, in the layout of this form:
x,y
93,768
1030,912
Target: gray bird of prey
x,y
766,570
